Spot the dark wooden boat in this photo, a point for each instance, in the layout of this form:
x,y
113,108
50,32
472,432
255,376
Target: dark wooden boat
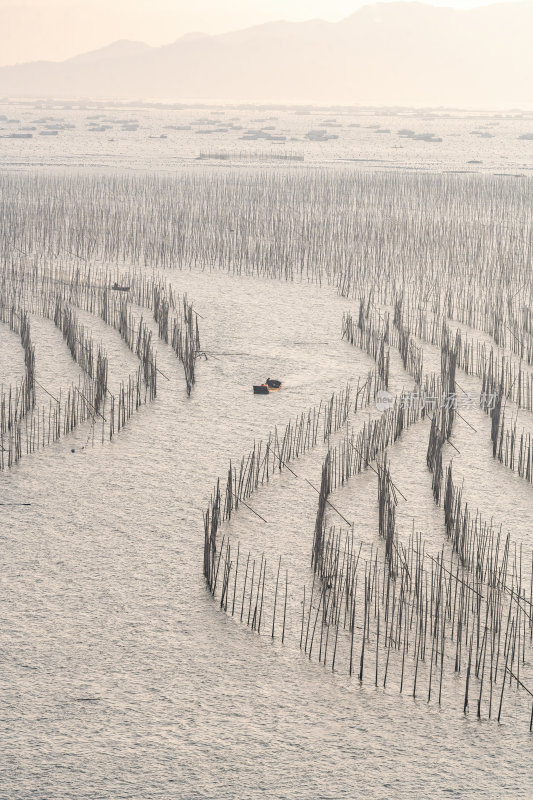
x,y
118,288
270,385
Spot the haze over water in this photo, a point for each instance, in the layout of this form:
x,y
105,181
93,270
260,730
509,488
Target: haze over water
x,y
98,136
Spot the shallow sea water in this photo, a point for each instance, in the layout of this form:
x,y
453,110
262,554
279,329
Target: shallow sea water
x,y
165,138
119,675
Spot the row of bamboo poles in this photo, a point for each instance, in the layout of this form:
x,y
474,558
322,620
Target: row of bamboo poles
x,y
426,619
275,456
353,229
55,299
152,293
369,236
457,247
177,321
501,380
421,619
21,399
374,333
24,429
495,367
400,617
510,447
109,295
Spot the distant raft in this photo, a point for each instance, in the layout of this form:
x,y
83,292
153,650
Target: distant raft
x,y
270,385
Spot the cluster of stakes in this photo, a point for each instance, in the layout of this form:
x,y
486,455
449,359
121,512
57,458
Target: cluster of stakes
x,y
397,615
429,268
56,294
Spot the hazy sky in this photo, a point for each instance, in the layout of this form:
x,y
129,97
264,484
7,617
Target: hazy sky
x,y
57,29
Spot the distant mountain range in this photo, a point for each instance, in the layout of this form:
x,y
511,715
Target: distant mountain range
x,y
384,54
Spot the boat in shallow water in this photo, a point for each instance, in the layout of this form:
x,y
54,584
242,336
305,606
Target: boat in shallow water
x,y
270,385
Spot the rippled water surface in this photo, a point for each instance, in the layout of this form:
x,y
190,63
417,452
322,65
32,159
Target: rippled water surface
x,y
119,675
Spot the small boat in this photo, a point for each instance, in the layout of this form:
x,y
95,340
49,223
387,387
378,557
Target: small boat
x,y
270,385
118,288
